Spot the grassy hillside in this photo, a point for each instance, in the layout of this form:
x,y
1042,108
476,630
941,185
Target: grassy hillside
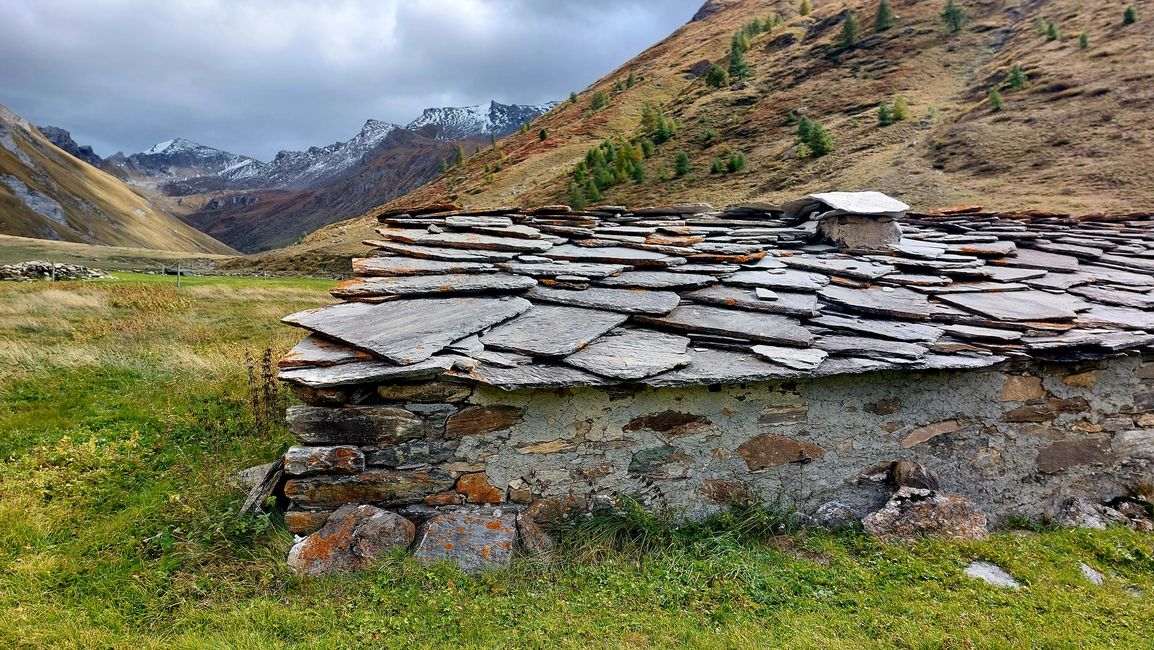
x,y
78,202
124,405
1077,137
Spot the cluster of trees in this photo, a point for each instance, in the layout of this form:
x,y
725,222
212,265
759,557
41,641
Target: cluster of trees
x,y
1016,80
814,139
898,111
609,163
728,163
719,77
954,17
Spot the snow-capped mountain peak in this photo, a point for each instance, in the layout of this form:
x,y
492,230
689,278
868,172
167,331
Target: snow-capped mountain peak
x,y
462,122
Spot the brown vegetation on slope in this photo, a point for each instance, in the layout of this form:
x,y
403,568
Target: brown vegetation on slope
x,y
1076,138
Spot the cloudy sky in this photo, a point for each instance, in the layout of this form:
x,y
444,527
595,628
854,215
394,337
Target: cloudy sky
x,y
258,76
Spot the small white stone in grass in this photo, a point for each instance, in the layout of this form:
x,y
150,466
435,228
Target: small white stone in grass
x,y
1093,575
992,574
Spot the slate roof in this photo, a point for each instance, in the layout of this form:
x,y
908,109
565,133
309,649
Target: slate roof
x,y
682,295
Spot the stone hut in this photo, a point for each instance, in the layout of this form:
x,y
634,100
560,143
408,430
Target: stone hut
x,y
507,366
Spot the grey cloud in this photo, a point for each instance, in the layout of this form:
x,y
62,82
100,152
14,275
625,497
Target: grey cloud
x,y
256,76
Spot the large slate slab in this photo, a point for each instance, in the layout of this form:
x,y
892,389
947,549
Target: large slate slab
x,y
365,372
1108,296
1035,259
626,301
871,348
1017,305
795,358
782,302
408,331
896,330
614,255
706,319
552,270
658,280
438,253
788,279
433,284
632,354
552,330
402,266
712,366
846,267
465,240
899,303
315,351
537,375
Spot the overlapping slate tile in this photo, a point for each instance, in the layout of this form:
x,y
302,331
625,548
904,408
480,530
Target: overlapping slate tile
x,y
554,269
788,279
847,267
705,319
632,354
898,302
614,255
795,358
1017,305
783,302
871,348
408,331
537,375
438,253
626,301
314,352
365,372
404,266
467,241
658,280
448,284
552,330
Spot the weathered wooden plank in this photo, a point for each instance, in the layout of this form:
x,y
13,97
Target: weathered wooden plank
x,y
705,319
552,330
787,303
364,372
408,331
626,301
437,253
1018,305
405,266
418,285
464,240
633,354
899,303
658,280
315,351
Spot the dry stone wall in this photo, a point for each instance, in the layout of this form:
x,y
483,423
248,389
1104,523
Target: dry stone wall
x,y
1020,439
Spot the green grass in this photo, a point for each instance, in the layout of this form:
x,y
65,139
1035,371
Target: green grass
x,y
123,406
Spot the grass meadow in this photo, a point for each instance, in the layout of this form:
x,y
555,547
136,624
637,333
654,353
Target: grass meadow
x,y
125,404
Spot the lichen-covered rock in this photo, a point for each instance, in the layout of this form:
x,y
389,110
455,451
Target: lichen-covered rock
x,y
474,540
340,459
913,513
532,538
1123,511
306,522
352,538
834,515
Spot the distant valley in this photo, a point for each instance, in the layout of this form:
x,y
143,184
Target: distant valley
x,y
253,205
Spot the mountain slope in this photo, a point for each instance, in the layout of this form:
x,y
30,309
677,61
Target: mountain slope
x,y
48,194
1076,138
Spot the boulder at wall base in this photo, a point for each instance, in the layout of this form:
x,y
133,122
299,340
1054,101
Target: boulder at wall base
x,y
474,540
351,539
913,513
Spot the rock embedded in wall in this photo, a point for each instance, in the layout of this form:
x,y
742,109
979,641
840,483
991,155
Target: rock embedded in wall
x,y
352,538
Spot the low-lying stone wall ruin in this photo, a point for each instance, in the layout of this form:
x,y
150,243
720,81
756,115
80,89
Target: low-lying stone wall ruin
x,y
1018,440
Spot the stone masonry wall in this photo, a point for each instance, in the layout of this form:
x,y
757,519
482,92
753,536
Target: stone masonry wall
x,y
1018,440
